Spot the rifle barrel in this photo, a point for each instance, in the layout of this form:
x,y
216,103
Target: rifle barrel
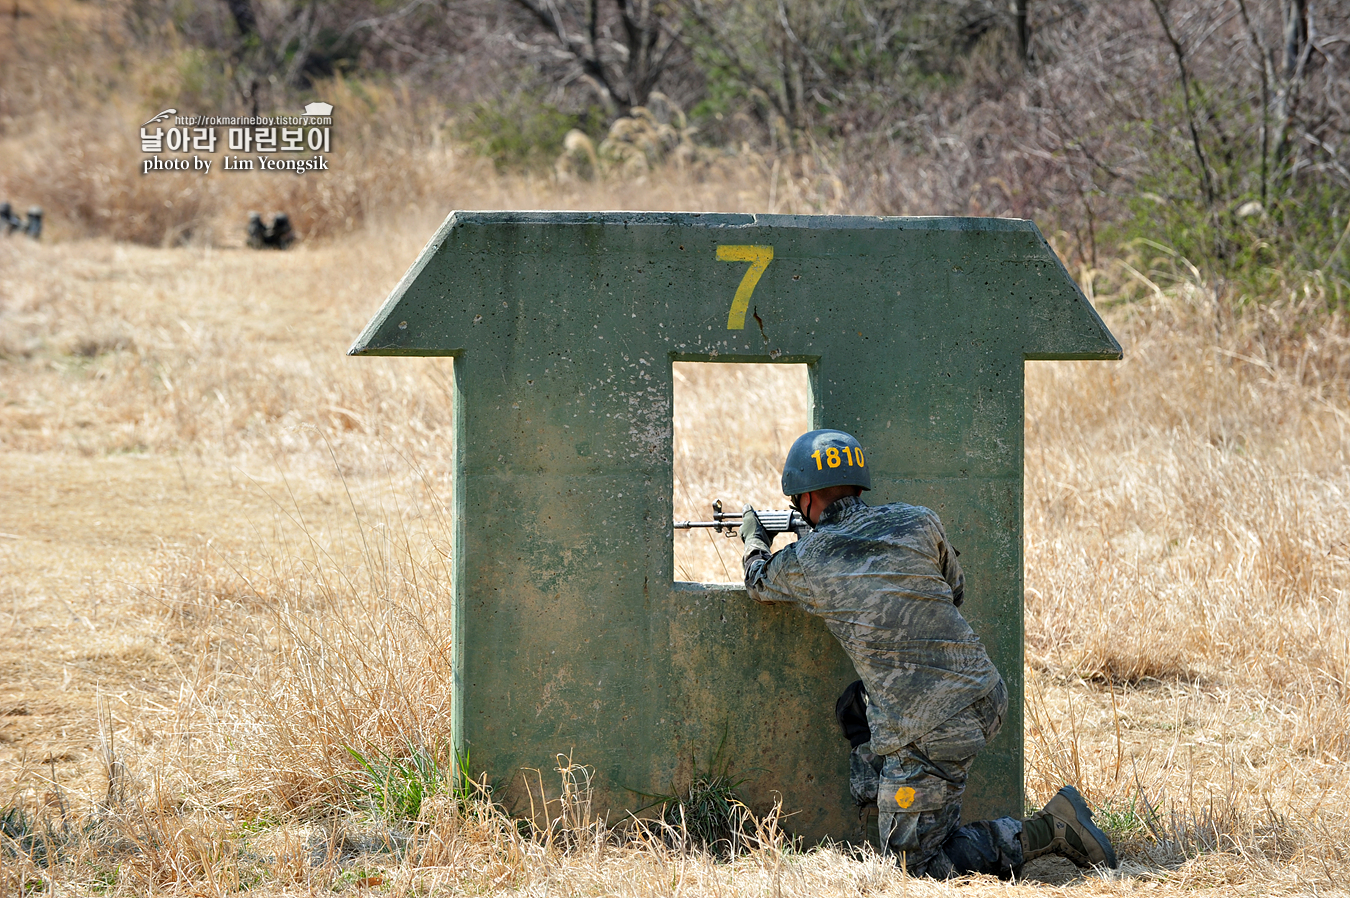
x,y
730,521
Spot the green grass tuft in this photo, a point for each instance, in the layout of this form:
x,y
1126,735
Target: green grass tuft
x,y
396,788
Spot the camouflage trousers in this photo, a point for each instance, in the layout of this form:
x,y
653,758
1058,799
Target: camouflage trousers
x,y
918,791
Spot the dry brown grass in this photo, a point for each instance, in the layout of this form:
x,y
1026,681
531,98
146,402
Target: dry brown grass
x,y
733,427
222,551
70,141
1185,555
226,564
385,168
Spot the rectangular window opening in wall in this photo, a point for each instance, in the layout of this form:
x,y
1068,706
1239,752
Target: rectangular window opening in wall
x,y
734,422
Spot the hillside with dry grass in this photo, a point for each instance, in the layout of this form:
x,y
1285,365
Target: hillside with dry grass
x,y
223,544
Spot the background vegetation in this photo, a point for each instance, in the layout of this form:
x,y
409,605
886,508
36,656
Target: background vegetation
x,y
1215,127
222,544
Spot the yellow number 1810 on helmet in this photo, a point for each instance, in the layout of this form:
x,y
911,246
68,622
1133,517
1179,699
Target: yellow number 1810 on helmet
x,y
824,458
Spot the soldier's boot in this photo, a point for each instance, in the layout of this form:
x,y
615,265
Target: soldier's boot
x,y
1064,827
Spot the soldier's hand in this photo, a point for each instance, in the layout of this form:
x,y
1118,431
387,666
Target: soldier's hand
x,y
751,528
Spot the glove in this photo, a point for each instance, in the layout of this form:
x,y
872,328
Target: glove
x,y
751,528
851,712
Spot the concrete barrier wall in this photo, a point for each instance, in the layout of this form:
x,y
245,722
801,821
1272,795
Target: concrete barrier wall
x,y
573,636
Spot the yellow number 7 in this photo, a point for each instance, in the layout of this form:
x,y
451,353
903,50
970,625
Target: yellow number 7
x,y
759,257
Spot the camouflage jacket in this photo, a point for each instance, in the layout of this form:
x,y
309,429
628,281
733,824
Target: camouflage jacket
x,y
888,586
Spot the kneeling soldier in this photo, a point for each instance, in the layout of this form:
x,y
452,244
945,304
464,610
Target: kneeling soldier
x,y
888,585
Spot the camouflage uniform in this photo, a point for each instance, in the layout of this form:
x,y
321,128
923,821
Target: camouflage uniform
x,y
888,585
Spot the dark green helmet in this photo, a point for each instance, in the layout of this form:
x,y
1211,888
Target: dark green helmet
x,y
824,458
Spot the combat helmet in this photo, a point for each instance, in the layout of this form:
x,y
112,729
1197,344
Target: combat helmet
x,y
824,458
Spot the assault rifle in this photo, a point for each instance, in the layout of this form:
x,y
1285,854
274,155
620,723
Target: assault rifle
x,y
728,523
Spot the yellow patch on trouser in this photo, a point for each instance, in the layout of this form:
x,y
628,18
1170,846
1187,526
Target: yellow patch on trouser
x,y
904,796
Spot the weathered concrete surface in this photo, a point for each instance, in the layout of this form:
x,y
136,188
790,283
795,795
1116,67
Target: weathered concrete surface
x,y
572,636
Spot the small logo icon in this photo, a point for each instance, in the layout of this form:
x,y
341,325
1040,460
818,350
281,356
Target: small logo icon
x,y
318,109
162,116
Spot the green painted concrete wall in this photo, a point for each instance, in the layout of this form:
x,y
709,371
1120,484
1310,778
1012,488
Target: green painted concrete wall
x,y
572,635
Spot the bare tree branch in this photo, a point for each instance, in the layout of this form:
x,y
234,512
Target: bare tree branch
x,y
1206,178
623,66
